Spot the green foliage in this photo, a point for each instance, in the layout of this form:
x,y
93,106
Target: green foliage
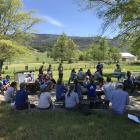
x,y
65,49
8,50
99,52
13,21
122,14
114,54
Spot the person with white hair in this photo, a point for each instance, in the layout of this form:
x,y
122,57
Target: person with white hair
x,y
119,99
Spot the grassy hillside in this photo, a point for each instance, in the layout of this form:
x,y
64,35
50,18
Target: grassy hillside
x,y
44,42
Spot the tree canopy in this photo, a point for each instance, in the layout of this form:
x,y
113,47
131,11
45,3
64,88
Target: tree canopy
x,y
120,14
9,50
14,25
65,48
13,21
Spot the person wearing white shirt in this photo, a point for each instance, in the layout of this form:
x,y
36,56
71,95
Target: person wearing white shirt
x,y
45,101
108,88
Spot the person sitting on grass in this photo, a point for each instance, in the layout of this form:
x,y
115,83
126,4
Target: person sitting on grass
x,y
119,99
60,90
91,90
71,98
45,101
21,99
9,93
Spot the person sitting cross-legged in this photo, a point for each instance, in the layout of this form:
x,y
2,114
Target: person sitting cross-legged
x,y
21,99
60,90
45,101
9,93
71,98
119,99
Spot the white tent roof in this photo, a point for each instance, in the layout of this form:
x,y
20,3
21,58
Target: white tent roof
x,y
127,55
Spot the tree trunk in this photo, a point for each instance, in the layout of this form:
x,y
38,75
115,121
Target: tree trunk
x,y
1,64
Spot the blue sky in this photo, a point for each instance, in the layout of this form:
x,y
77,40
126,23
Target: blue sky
x,y
65,16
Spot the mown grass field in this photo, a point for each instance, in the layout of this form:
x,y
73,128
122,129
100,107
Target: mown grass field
x,y
63,125
68,67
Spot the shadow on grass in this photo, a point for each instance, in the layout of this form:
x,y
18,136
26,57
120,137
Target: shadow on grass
x,y
72,125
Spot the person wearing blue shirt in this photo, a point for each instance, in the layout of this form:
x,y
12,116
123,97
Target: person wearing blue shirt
x,y
60,89
72,75
91,89
6,80
78,89
21,100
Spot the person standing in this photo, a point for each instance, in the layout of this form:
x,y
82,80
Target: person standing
x,y
40,70
100,68
50,70
60,71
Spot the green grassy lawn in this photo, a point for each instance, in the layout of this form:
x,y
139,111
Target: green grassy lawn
x,y
68,67
61,125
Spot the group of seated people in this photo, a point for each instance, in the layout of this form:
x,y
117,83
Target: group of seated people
x,y
81,75
72,94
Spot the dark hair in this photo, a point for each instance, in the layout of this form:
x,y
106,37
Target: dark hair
x,y
91,80
71,88
128,73
13,84
59,81
73,70
22,85
108,79
7,76
47,88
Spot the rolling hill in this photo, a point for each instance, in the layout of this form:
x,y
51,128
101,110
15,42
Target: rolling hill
x,y
44,42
